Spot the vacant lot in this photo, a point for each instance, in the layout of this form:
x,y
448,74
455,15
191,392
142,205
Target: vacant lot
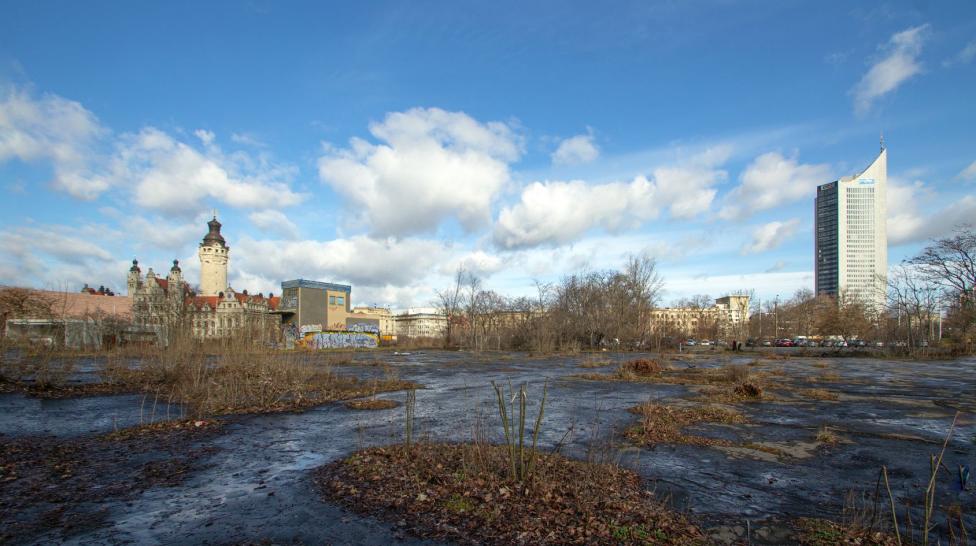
x,y
815,432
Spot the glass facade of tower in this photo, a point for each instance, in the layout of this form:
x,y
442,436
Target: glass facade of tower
x,y
851,241
825,228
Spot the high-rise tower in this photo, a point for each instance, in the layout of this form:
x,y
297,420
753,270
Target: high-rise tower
x,y
214,255
851,238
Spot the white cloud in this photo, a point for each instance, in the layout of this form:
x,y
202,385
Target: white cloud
x,y
173,177
965,56
556,212
899,64
766,284
969,173
359,260
51,128
162,172
275,222
479,263
247,139
771,235
772,180
904,221
908,224
206,137
576,150
54,256
431,165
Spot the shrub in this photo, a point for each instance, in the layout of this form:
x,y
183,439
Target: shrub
x,y
736,373
748,390
827,436
642,367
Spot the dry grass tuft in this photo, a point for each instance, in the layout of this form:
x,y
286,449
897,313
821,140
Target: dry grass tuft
x,y
826,436
661,424
735,373
830,376
821,532
594,361
643,367
212,379
371,404
818,394
748,390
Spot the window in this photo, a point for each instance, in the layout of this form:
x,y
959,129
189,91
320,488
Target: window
x,y
340,300
332,300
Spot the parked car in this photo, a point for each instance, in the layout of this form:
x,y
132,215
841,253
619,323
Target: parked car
x,y
691,342
704,343
750,342
767,343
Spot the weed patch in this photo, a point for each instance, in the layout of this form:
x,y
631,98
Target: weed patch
x,y
371,404
826,436
235,379
661,424
821,532
818,394
592,361
464,493
643,366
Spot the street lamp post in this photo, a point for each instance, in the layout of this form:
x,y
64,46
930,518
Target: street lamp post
x,y
776,317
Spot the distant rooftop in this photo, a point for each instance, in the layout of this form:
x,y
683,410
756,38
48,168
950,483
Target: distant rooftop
x,y
304,283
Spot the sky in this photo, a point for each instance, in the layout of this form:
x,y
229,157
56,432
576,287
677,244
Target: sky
x,y
385,144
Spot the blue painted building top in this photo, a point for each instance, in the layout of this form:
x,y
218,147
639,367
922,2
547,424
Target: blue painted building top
x,y
304,283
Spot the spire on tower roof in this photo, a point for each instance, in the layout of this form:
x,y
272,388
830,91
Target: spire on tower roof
x,y
214,236
882,141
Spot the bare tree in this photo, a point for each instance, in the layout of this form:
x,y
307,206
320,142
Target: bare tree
x,y
914,301
845,316
449,304
950,264
644,284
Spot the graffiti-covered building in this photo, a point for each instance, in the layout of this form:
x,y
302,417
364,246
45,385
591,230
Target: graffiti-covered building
x,y
318,315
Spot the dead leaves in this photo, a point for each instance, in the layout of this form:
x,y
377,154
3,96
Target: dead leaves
x,y
461,493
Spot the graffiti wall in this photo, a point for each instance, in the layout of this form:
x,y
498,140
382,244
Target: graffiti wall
x,y
369,327
339,340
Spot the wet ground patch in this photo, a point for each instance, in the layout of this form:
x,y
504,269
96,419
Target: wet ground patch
x,y
892,413
54,488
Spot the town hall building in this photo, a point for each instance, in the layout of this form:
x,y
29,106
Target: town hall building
x,y
169,307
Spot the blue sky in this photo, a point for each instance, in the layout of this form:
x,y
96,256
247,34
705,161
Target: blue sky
x,y
384,144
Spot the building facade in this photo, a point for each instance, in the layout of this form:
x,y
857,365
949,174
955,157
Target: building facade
x,y
385,318
168,306
851,240
419,323
729,316
314,305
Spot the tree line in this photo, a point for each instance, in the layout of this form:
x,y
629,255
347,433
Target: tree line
x,y
588,309
930,296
